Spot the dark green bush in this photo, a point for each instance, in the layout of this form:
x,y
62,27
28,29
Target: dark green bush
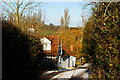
x,y
23,57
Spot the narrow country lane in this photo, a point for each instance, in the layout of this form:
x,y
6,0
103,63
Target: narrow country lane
x,y
81,72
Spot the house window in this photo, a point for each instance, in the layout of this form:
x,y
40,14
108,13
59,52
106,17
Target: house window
x,y
46,46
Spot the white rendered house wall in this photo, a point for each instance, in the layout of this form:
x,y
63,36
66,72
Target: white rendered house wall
x,y
73,61
46,43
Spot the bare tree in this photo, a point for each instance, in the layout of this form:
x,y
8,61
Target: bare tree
x,y
65,20
18,8
62,21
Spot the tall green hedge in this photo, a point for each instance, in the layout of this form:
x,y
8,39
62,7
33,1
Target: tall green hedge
x,y
101,40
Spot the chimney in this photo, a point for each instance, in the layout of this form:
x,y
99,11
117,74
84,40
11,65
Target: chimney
x,y
71,48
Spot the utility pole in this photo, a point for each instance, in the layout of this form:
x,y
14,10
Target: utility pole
x,y
60,51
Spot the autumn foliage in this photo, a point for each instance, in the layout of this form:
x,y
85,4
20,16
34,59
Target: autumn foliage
x,y
72,40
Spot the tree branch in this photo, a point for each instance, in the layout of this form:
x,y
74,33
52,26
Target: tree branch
x,y
106,9
25,7
9,6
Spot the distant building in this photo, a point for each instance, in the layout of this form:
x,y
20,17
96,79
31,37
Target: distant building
x,y
65,57
52,45
46,43
31,29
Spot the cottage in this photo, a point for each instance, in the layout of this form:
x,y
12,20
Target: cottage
x,y
46,43
54,48
65,57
